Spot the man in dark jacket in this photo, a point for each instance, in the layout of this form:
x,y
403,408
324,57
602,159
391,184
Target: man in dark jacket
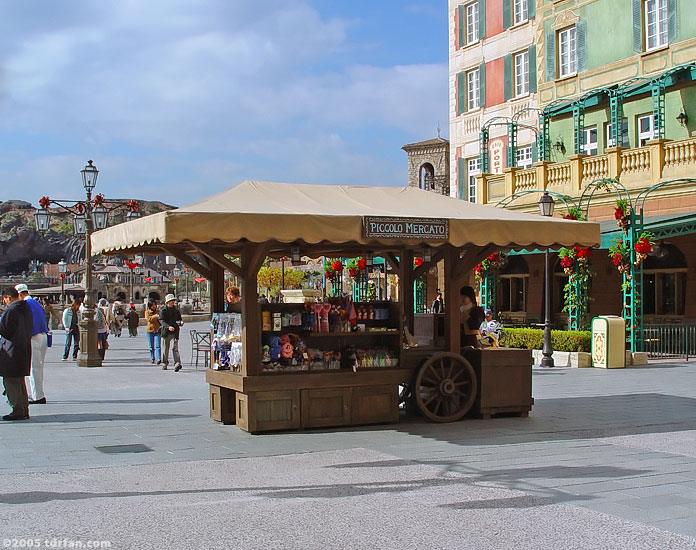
x,y
170,322
16,326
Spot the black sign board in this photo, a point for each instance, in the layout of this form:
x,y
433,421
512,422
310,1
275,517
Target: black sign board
x,y
406,228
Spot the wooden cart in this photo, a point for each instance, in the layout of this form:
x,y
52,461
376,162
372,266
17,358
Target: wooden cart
x,y
236,230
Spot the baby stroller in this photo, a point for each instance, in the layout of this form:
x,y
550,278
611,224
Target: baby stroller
x,y
491,333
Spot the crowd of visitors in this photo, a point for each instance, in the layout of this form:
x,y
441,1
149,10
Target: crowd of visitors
x,y
25,336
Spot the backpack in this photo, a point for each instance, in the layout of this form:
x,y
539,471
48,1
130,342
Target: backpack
x,y
119,311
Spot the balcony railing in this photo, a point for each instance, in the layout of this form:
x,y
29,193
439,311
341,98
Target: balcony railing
x,y
638,168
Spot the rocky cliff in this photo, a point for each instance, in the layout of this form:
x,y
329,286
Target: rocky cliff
x,y
20,243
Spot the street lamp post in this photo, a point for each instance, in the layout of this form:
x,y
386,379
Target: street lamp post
x,y
62,270
186,270
87,216
89,352
133,266
546,205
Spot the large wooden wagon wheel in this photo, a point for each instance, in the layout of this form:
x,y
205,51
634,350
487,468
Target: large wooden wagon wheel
x,y
445,387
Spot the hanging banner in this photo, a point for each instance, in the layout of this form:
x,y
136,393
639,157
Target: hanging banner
x,y
405,228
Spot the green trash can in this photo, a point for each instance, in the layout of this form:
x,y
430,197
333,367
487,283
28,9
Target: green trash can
x,y
609,342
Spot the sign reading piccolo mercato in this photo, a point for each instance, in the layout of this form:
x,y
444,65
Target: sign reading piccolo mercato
x,y
406,228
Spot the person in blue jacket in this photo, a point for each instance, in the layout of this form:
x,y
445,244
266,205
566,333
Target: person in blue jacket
x,y
39,345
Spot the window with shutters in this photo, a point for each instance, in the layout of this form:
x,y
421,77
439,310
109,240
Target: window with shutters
x,y
473,168
520,11
523,157
522,74
567,52
623,134
589,140
646,129
472,22
473,90
656,24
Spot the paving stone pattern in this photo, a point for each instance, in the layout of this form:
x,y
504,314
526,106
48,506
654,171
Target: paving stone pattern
x,y
607,459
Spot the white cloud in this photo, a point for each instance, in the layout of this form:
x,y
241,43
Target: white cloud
x,y
193,88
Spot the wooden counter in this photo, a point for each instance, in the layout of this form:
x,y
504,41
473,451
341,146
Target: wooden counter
x,y
306,399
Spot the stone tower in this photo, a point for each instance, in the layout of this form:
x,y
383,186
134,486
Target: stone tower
x,y
428,165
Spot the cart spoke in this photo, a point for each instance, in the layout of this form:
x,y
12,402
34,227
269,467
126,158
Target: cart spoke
x,y
437,375
430,399
458,374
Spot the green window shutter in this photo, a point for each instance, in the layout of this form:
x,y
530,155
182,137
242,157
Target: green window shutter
x,y
461,20
507,14
461,93
672,20
637,14
532,69
461,178
482,83
507,76
531,8
550,56
482,18
581,37
535,152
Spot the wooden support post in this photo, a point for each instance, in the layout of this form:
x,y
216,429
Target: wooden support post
x,y
252,258
452,300
217,289
406,287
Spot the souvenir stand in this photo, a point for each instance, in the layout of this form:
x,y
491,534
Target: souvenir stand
x,y
334,363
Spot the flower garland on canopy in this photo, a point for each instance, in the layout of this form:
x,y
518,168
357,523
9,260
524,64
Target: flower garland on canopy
x,y
494,261
576,263
357,268
620,254
622,214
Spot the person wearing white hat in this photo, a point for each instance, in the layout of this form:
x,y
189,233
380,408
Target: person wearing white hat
x,y
170,323
39,345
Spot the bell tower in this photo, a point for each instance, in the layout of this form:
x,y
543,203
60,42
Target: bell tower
x,y
428,165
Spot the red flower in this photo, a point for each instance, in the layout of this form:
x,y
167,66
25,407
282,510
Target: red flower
x,y
45,202
417,262
99,200
566,262
328,272
353,272
337,265
617,259
643,246
494,257
362,264
619,213
584,253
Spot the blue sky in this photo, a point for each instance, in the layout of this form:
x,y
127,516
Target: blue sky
x,y
178,99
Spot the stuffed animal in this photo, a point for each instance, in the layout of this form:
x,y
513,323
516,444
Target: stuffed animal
x,y
286,347
274,348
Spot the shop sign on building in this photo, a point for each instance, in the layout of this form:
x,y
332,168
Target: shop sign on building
x,y
497,149
406,228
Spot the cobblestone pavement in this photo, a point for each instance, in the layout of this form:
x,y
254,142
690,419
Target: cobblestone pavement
x,y
607,459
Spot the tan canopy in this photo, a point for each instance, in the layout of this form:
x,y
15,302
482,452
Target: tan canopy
x,y
286,212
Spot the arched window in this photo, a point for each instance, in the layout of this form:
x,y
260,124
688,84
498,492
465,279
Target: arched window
x,y
512,284
426,176
664,281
